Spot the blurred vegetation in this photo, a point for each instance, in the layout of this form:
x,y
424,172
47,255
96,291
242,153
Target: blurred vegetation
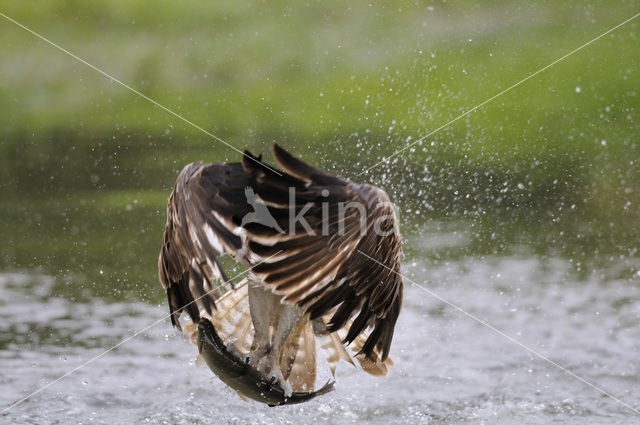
x,y
86,165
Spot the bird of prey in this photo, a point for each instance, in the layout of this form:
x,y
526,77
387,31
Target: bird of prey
x,y
322,256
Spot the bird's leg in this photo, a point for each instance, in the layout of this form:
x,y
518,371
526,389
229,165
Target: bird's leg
x,y
266,351
260,306
288,319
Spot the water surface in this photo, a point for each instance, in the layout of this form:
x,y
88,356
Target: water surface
x,y
450,369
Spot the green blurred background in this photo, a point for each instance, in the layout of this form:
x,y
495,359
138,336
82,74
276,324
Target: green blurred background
x,y
86,165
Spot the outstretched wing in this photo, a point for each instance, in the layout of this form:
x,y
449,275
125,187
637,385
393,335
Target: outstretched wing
x,y
313,242
196,234
323,263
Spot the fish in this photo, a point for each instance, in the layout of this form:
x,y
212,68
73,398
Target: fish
x,y
241,376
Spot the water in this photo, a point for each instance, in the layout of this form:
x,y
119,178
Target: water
x,y
450,369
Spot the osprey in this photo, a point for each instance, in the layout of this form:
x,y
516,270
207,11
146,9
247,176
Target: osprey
x,y
322,256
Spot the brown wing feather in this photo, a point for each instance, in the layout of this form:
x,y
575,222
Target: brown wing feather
x,y
194,237
324,269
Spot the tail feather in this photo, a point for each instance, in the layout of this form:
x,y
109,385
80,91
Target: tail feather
x,y
299,358
372,364
334,351
232,318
